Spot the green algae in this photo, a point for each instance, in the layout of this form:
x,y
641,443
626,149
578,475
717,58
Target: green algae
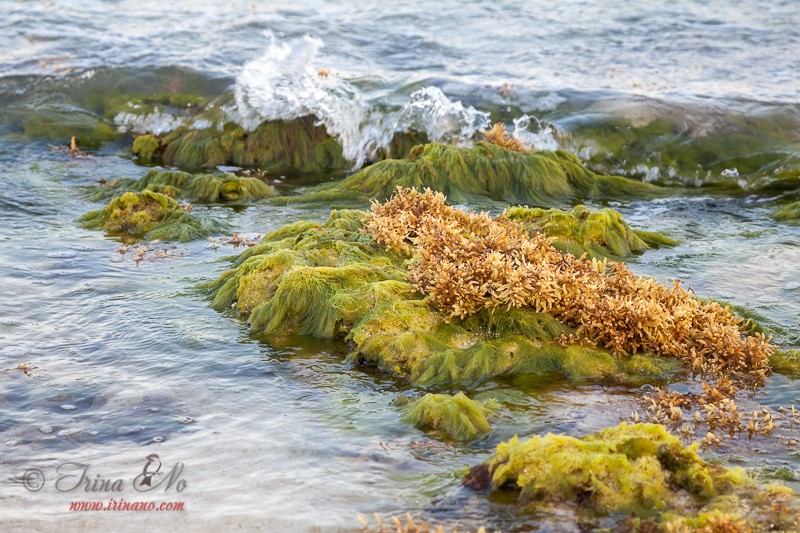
x,y
59,123
600,233
789,213
147,149
330,280
297,146
786,362
692,154
198,188
415,342
639,470
456,417
148,214
480,172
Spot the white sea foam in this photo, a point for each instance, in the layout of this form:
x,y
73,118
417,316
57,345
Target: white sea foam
x,y
157,122
286,83
535,134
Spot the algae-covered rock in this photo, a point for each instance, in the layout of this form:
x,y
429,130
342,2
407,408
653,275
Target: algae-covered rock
x,y
786,362
58,123
410,339
332,280
640,470
148,214
147,149
280,147
789,213
672,148
197,188
297,146
600,233
457,417
480,172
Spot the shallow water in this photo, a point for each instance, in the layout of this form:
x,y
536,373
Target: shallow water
x,y
130,360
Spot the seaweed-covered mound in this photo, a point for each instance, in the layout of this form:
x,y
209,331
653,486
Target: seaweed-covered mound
x,y
640,470
468,262
481,297
334,280
198,188
148,214
312,279
598,233
484,171
457,417
297,146
281,146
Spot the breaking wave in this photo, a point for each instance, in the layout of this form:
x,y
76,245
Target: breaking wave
x,y
286,82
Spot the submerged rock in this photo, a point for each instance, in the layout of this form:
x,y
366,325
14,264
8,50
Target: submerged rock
x,y
148,214
638,470
483,171
198,188
728,153
457,417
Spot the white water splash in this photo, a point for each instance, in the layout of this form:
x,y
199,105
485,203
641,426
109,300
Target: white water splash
x,y
535,134
286,83
429,110
156,122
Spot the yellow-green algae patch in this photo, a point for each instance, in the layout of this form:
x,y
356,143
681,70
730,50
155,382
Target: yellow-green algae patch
x,y
332,280
457,417
483,171
147,214
789,213
786,362
198,188
598,233
639,470
147,148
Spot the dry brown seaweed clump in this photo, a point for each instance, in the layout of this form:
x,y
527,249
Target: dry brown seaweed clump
x,y
498,135
466,262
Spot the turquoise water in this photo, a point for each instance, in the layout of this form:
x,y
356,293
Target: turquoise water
x,y
127,359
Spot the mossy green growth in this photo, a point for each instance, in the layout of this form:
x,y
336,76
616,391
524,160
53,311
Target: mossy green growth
x,y
147,149
786,362
480,172
330,280
789,213
600,233
312,279
413,341
298,146
203,188
455,417
640,470
148,214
